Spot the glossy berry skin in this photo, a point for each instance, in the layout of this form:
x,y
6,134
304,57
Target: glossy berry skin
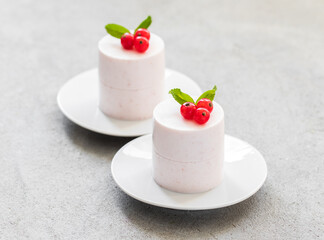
x,y
142,32
201,115
205,103
188,110
127,41
141,44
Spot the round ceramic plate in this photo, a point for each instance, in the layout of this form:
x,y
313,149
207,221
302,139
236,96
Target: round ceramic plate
x,y
78,100
245,171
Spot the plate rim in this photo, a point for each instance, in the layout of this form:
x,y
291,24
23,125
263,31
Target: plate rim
x,y
77,122
191,208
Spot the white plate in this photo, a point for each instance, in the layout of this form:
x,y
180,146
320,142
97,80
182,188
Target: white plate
x,y
245,171
78,100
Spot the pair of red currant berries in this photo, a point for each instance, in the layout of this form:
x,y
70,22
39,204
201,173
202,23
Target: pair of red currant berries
x,y
140,40
200,113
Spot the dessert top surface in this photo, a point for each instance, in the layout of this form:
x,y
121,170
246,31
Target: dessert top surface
x,y
111,47
167,113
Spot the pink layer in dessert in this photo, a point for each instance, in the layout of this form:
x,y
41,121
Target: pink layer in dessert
x,y
131,84
187,157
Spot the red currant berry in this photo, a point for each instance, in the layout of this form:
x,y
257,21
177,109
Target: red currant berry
x,y
142,32
188,110
205,103
127,40
201,115
141,44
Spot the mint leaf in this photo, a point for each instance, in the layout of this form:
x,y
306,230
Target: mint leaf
x,y
116,30
145,24
180,97
210,94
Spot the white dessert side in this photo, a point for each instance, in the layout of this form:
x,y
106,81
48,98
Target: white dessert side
x,y
187,157
131,84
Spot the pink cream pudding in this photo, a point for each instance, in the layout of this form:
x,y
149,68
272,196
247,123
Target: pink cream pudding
x,y
131,84
187,157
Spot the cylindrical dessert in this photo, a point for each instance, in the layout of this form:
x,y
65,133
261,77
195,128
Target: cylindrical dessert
x,y
187,157
131,84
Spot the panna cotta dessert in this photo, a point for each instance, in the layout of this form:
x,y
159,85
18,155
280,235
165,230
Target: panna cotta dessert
x,y
188,151
131,72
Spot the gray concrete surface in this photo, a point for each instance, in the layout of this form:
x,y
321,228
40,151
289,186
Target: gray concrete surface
x,y
266,58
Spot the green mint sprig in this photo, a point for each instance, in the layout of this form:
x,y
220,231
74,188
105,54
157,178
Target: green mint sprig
x,y
118,31
145,24
182,97
210,94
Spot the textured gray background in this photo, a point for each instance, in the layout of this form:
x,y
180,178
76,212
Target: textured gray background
x,y
267,58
